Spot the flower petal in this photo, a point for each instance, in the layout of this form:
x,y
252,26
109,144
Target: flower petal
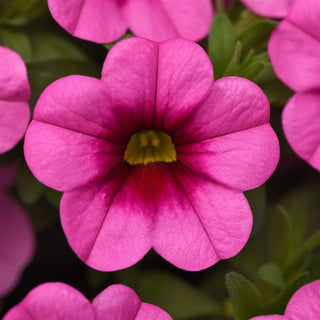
x,y
242,160
294,55
53,301
17,242
14,118
130,73
151,312
269,8
161,20
301,124
184,79
65,159
198,222
13,77
94,20
107,224
234,104
304,305
82,104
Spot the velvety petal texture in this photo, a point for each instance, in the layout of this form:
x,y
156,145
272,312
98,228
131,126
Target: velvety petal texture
x,y
191,211
269,8
17,241
106,21
14,96
304,305
59,301
294,51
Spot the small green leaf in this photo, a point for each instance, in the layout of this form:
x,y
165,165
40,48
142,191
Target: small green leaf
x,y
234,63
221,44
271,273
177,297
244,296
278,304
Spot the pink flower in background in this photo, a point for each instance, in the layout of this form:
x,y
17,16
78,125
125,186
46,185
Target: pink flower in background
x,y
58,301
304,305
155,154
269,8
104,21
14,96
294,49
16,236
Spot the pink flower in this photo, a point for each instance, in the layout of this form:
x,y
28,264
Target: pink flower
x,y
16,236
58,301
14,94
104,21
304,305
269,8
155,154
294,50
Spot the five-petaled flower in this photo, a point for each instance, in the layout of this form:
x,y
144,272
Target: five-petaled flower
x,y
155,154
58,301
16,236
304,305
104,21
294,49
14,96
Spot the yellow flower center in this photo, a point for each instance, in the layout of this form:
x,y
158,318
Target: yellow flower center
x,y
148,147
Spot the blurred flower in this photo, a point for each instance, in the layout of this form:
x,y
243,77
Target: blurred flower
x,y
304,305
155,154
59,301
16,236
106,21
269,8
294,49
14,94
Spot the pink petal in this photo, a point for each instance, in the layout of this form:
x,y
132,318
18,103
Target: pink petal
x,y
151,312
17,243
13,77
116,302
198,222
94,20
301,124
294,55
81,104
234,104
108,224
53,301
304,305
243,160
64,159
166,19
130,72
184,78
269,8
14,119
8,175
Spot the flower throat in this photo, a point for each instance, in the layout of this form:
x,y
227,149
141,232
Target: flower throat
x,y
150,146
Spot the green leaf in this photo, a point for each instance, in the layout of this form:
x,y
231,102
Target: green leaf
x,y
177,297
221,44
234,63
278,304
244,296
256,34
271,273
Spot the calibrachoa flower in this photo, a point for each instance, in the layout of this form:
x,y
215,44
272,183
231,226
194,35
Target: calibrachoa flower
x,y
304,305
155,154
16,236
269,8
14,96
104,21
58,301
294,49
